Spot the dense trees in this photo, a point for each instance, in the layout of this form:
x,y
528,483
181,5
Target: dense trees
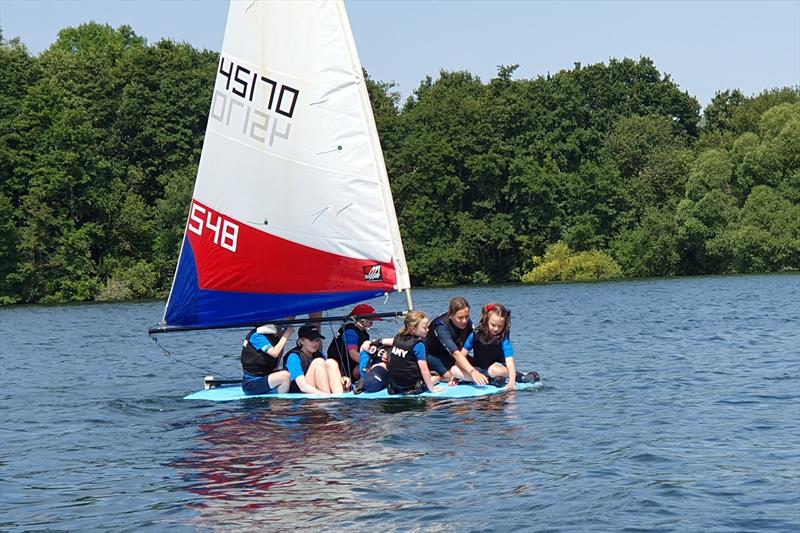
x,y
101,135
599,167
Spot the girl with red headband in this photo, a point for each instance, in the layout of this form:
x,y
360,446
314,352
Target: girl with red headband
x,y
492,352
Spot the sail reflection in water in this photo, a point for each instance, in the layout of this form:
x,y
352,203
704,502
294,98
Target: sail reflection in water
x,y
287,459
277,464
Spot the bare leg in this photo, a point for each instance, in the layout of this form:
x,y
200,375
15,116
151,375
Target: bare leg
x,y
334,377
498,371
280,379
317,376
458,374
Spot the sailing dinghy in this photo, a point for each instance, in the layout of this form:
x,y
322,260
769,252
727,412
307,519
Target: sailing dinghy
x,y
292,211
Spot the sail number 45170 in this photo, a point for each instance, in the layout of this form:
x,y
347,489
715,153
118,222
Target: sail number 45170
x,y
226,232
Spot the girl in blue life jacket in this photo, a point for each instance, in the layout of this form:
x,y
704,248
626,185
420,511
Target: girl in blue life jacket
x,y
492,351
408,365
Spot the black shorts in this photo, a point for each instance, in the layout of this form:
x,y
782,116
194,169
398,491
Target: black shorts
x,y
418,388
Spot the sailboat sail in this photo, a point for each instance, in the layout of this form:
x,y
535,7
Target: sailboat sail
x,y
292,210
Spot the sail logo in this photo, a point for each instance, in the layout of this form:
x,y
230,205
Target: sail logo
x,y
373,273
203,220
262,108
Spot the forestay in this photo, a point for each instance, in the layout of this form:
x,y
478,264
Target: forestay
x,y
292,210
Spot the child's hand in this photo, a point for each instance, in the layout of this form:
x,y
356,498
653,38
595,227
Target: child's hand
x,y
511,386
365,346
480,379
345,382
439,389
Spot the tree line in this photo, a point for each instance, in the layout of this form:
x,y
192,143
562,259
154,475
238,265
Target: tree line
x,y
100,137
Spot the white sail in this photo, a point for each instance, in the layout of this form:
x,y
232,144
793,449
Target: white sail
x,y
291,173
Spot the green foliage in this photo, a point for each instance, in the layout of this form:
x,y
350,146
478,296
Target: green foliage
x,y
92,131
732,111
651,248
765,238
562,264
126,283
100,137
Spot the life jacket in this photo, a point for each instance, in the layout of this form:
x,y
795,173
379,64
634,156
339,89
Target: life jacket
x,y
256,362
375,357
484,354
435,346
337,350
404,374
305,360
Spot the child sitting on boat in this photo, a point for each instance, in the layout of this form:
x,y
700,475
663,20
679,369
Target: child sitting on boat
x,y
261,351
446,335
374,358
492,351
344,348
309,371
408,365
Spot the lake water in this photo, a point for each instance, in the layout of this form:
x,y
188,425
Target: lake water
x,y
667,405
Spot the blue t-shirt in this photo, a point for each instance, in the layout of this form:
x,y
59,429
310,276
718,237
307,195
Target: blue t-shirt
x,y
363,360
508,348
420,351
351,339
260,342
295,366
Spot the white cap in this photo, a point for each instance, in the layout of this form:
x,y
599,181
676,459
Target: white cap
x,y
267,329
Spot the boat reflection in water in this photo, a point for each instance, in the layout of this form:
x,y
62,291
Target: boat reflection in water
x,y
278,464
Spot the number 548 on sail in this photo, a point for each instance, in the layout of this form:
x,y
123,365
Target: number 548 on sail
x,y
226,232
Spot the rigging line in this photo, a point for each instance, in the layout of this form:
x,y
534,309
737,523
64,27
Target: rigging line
x,y
343,358
169,355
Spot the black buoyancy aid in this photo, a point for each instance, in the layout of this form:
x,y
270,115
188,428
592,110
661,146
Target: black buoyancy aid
x,y
256,362
375,357
484,354
337,349
305,360
433,343
404,371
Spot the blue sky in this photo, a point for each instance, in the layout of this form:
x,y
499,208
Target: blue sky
x,y
705,46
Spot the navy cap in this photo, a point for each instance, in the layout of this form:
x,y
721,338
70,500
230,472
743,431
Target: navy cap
x,y
309,332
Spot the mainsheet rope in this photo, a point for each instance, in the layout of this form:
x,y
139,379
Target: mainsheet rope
x,y
169,355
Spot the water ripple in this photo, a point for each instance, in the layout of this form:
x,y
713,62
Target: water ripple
x,y
668,405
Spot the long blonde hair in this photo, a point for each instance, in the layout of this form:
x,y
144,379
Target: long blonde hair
x,y
413,318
